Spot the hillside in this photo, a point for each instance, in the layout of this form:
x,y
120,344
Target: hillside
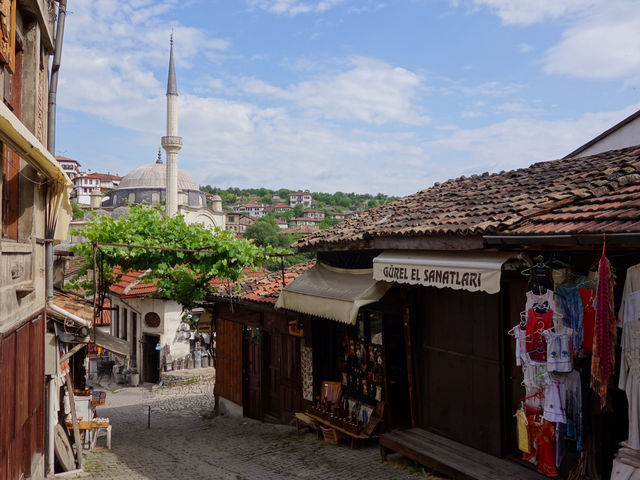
x,y
334,202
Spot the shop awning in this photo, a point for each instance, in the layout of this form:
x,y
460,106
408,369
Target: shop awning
x,y
115,345
474,272
333,293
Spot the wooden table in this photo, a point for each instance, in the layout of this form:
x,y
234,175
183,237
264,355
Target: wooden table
x,y
354,436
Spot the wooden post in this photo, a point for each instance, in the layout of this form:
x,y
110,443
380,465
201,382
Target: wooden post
x,y
74,419
406,318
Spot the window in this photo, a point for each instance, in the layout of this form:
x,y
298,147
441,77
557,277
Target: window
x,y
10,159
124,323
115,323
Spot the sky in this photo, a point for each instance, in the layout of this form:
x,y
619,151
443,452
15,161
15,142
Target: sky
x,y
360,96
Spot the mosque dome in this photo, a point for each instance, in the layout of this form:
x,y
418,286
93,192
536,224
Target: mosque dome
x,y
147,184
154,175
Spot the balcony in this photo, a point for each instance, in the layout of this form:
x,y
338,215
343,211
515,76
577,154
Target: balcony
x,y
171,140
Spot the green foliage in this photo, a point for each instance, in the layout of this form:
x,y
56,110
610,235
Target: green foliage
x,y
333,201
266,199
297,211
328,222
180,276
77,212
266,234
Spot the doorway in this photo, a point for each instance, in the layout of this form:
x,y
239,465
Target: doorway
x,y
252,370
151,358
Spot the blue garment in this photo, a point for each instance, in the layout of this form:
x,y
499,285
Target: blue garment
x,y
570,304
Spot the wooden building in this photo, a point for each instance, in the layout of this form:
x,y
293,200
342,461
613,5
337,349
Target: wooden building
x,y
456,254
258,350
33,194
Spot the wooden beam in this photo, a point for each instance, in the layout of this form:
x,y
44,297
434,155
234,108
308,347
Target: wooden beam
x,y
71,352
430,242
74,419
406,319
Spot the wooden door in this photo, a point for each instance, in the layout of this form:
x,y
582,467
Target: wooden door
x,y
290,378
252,365
229,378
272,376
459,369
151,356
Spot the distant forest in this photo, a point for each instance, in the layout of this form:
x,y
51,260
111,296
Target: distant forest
x,y
336,202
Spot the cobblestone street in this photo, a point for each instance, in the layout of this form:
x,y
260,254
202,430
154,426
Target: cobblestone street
x,y
184,444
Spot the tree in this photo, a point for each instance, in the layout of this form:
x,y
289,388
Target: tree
x,y
297,211
266,199
186,258
77,212
328,222
265,232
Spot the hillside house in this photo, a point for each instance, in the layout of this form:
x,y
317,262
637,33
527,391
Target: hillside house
x,y
300,198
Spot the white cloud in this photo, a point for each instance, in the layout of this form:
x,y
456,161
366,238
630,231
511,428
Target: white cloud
x,y
519,142
294,7
606,45
525,48
526,12
368,90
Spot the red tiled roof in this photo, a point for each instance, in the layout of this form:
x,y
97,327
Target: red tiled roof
x,y
66,159
490,203
130,285
298,194
615,212
266,287
80,307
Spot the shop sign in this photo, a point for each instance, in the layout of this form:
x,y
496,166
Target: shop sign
x,y
471,278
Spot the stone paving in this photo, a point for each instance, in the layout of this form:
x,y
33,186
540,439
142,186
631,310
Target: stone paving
x,y
184,442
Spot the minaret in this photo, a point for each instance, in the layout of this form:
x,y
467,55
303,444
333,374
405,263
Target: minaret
x,y
172,143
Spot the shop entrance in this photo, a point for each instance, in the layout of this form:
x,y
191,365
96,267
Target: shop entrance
x,y
459,371
252,373
151,358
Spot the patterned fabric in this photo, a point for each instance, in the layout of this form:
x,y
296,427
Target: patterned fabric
x,y
306,355
604,339
572,310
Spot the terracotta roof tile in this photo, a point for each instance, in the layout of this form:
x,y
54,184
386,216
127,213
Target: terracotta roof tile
x,y
266,287
492,203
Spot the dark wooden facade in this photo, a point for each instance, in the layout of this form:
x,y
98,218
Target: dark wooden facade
x,y
21,398
258,362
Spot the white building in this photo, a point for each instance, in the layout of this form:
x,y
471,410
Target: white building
x,y
85,184
252,208
71,167
623,134
300,198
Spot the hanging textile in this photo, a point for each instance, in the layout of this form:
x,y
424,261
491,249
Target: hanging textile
x,y
604,339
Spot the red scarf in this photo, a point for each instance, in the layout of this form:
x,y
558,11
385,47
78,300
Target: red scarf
x,y
604,338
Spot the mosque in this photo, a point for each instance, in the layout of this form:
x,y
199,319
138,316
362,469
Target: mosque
x,y
157,183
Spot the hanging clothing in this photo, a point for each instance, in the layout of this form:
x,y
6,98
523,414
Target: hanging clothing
x,y
559,350
542,435
588,298
560,445
570,306
631,284
605,332
631,307
536,345
555,397
534,385
540,279
521,345
523,432
573,409
541,302
630,377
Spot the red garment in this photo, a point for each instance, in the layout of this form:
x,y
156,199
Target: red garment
x,y
536,345
588,318
541,439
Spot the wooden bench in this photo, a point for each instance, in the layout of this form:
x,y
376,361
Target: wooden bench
x,y
354,437
450,458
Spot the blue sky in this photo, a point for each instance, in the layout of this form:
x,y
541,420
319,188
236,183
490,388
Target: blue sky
x,y
352,95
